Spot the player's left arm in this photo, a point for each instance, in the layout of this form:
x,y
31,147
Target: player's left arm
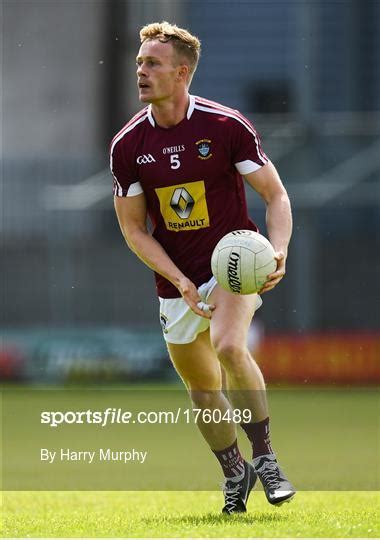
x,y
267,182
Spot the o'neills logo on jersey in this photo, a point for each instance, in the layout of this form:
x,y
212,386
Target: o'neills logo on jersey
x,y
173,149
204,148
233,272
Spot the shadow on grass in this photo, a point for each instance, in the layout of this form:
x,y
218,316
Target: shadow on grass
x,y
219,519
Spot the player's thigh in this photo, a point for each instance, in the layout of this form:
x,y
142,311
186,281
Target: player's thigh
x,y
197,363
232,317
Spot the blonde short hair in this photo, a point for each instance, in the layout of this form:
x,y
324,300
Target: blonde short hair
x,y
187,46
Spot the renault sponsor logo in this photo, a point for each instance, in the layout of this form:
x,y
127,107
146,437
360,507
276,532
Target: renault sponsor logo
x,y
189,224
145,158
182,202
184,206
233,272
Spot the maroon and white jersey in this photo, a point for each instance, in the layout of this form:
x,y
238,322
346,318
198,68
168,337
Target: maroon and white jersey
x,y
190,175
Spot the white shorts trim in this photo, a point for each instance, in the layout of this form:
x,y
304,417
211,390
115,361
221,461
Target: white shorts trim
x,y
179,324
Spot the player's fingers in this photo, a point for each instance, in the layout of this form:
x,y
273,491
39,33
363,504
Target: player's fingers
x,y
205,307
270,284
277,274
273,281
193,302
202,313
265,289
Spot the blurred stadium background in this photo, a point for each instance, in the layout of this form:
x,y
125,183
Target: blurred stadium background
x,y
75,303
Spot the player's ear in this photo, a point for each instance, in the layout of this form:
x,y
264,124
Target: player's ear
x,y
183,73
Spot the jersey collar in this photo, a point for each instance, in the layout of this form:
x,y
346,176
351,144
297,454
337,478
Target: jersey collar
x,y
150,116
190,110
191,106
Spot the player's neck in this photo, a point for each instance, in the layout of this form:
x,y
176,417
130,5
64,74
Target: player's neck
x,y
170,113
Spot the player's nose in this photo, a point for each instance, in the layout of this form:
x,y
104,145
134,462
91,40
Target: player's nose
x,y
140,70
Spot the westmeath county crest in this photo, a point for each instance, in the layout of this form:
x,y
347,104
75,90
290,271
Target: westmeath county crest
x,y
204,148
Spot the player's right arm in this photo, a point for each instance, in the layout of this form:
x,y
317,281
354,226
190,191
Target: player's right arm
x,y
132,216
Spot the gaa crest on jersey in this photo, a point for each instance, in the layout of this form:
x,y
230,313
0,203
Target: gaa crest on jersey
x,y
204,148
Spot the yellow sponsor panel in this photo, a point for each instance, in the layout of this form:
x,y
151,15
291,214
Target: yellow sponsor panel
x,y
184,206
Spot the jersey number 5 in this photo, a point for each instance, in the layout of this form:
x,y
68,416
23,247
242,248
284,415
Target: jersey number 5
x,y
174,161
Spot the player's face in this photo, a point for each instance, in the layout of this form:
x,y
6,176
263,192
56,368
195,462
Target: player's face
x,y
157,72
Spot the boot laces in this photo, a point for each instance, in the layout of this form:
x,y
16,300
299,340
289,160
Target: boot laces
x,y
231,495
270,474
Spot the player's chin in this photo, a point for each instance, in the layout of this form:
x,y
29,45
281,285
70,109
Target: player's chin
x,y
145,96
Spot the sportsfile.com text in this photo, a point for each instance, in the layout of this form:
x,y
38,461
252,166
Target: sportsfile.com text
x,y
119,416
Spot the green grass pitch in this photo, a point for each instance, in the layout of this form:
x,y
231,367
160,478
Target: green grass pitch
x,y
187,514
327,440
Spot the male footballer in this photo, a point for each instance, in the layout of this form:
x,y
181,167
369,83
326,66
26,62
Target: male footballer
x,y
181,161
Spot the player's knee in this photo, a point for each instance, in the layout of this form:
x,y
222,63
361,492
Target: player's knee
x,y
230,351
234,358
204,399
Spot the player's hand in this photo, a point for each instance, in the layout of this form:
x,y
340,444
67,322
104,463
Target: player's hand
x,y
191,296
275,278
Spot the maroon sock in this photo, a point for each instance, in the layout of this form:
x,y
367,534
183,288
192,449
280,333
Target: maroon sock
x,y
258,434
231,460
